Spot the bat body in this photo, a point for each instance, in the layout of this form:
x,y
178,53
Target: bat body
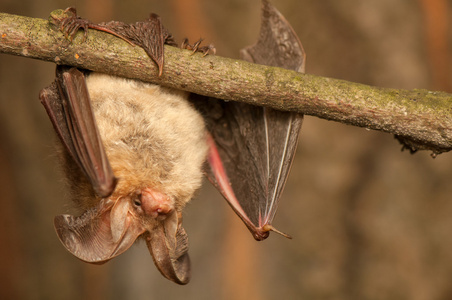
x,y
134,152
152,136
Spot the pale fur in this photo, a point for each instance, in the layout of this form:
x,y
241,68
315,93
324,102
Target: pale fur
x,y
153,137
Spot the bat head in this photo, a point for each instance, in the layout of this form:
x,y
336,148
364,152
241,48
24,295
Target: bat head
x,y
111,227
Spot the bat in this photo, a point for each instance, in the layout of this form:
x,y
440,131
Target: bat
x,y
134,153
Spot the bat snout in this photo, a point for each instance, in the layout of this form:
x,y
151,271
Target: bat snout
x,y
155,203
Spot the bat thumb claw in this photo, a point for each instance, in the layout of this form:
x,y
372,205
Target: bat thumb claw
x,y
268,227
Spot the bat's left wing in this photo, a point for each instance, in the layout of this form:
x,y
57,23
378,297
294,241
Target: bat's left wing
x,y
252,148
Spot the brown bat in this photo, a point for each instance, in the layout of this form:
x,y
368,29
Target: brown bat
x,y
134,152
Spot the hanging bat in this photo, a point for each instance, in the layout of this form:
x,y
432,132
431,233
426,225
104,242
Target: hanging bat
x,y
133,155
133,152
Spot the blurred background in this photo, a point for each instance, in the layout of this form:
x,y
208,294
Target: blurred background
x,y
368,221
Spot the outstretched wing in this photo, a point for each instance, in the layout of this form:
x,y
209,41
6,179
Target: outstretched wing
x,y
68,105
252,147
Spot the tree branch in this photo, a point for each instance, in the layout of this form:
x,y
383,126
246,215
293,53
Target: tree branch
x,y
421,119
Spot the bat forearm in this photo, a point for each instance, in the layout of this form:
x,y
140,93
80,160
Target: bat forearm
x,y
417,115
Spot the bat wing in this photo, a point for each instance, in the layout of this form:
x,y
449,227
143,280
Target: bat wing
x,y
68,105
252,147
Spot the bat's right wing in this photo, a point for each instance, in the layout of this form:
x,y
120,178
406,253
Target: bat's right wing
x,y
68,105
89,236
252,147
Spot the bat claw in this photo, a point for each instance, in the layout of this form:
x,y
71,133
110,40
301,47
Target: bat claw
x,y
268,227
196,47
71,10
70,23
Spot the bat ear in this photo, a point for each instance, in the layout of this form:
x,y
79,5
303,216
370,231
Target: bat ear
x,y
99,234
168,245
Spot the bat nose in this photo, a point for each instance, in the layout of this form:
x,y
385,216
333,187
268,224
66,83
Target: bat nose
x,y
155,203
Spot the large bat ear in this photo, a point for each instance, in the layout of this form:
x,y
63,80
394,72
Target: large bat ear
x,y
168,245
101,233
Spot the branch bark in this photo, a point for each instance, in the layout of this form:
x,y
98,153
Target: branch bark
x,y
420,119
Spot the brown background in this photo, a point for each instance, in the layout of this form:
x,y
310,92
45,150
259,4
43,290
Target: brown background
x,y
369,221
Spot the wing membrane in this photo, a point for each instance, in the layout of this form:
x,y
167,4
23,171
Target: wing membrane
x,y
256,145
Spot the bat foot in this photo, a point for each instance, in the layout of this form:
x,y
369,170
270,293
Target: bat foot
x,y
69,23
196,47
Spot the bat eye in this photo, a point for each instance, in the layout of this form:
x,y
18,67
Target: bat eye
x,y
137,202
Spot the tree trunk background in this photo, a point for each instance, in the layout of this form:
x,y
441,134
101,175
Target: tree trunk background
x,y
368,221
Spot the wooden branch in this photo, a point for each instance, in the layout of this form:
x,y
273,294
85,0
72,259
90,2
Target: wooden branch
x,y
421,119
